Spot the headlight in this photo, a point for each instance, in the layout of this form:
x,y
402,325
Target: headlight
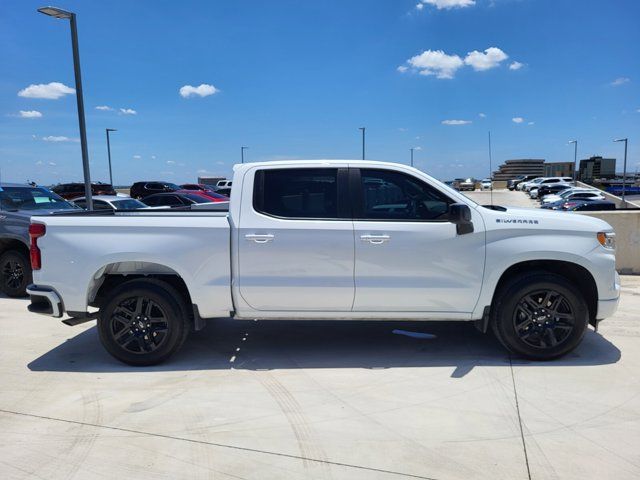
x,y
607,240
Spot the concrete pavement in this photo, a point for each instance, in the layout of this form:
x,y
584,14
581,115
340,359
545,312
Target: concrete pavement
x,y
361,400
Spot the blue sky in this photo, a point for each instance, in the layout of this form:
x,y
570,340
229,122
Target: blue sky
x,y
295,79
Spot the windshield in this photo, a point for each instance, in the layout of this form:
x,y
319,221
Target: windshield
x,y
29,198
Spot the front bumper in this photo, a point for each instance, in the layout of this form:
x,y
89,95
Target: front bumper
x,y
606,308
45,301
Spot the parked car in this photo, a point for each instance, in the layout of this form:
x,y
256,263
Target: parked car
x,y
328,239
486,184
226,191
467,184
542,181
175,199
210,196
574,194
590,205
101,202
513,183
224,184
199,187
18,203
141,190
553,188
70,191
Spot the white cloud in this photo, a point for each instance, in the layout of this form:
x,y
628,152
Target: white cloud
x,y
482,115
49,91
128,111
202,90
30,114
153,157
137,157
104,108
39,162
419,6
58,138
516,66
417,149
491,58
531,123
517,119
444,66
170,162
456,122
620,81
53,164
448,4
436,62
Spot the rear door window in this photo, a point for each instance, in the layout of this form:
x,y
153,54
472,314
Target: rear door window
x,y
310,193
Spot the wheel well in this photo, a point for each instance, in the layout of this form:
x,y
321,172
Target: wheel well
x,y
576,274
12,244
113,280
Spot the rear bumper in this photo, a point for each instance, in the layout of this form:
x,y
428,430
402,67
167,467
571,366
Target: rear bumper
x,y
45,301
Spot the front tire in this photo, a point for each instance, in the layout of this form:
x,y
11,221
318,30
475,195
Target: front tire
x,y
15,273
143,322
540,316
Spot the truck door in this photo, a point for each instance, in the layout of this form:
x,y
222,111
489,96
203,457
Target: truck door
x,y
409,257
295,240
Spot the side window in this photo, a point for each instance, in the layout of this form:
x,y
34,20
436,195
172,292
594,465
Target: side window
x,y
81,203
153,186
297,192
152,201
172,201
389,195
100,205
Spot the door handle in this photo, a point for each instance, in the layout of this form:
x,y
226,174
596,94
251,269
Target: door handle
x,y
259,238
375,239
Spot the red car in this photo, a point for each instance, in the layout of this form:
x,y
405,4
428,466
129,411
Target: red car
x,y
208,194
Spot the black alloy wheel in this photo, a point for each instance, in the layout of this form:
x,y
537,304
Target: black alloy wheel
x,y
543,319
15,273
139,325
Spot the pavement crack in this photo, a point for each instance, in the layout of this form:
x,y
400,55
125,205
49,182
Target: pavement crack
x,y
220,445
515,394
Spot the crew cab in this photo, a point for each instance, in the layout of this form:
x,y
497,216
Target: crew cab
x,y
326,240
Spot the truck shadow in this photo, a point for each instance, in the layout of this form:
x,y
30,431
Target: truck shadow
x,y
268,345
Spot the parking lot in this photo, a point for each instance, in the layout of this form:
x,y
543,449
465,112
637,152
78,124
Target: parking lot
x,y
271,399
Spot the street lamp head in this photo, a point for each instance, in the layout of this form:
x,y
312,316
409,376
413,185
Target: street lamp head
x,y
572,141
55,12
111,130
620,140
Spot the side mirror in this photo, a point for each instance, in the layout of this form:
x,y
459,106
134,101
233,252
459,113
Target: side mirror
x,y
460,214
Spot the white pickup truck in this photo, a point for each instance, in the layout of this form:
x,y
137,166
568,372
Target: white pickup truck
x,y
327,240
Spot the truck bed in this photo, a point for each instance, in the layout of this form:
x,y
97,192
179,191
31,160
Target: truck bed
x,y
79,248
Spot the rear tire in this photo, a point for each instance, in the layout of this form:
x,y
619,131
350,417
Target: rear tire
x,y
143,322
540,316
15,273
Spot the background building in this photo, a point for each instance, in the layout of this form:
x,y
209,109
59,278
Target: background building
x,y
596,167
512,168
559,169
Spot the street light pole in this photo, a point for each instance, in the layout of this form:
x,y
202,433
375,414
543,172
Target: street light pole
x,y
575,159
411,150
624,172
109,153
363,130
242,149
59,13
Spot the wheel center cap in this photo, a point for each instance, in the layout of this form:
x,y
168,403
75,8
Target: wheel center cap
x,y
541,318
